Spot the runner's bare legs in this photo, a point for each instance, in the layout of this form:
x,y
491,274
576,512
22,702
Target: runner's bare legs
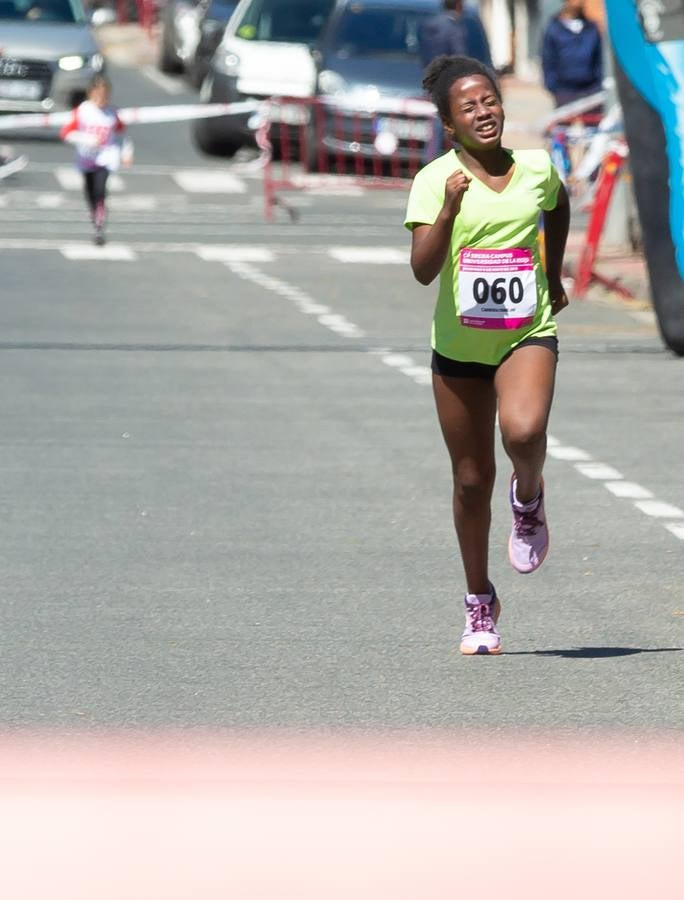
x,y
524,385
466,408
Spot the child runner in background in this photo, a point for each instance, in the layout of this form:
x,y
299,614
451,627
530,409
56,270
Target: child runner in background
x,y
474,214
96,131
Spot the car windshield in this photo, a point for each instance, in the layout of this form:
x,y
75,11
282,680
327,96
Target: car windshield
x,y
377,31
220,12
299,22
41,11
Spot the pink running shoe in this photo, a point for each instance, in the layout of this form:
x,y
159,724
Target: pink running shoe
x,y
529,540
480,636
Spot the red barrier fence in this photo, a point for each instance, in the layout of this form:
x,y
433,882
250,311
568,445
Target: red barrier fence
x,y
610,171
312,142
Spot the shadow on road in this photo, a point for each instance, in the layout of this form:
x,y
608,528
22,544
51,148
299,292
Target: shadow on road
x,y
594,652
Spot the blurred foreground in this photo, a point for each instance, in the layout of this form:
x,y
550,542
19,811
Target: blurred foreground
x,y
278,816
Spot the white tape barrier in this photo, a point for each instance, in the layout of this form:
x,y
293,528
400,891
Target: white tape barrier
x,y
570,110
140,115
144,115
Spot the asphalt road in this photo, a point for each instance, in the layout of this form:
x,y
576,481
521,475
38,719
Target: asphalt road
x,y
226,500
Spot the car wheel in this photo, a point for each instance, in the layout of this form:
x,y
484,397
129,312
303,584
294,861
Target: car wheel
x,y
209,139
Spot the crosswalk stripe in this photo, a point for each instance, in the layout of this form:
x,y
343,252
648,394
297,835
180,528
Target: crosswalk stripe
x,y
72,180
221,253
50,201
235,253
378,255
138,202
209,181
112,252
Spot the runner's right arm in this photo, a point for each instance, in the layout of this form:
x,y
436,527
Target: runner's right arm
x,y
430,243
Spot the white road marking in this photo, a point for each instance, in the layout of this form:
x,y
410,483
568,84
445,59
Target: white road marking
x,y
72,180
50,201
163,81
331,320
659,510
372,255
209,181
142,202
569,454
613,481
628,489
598,471
324,315
397,360
234,253
110,252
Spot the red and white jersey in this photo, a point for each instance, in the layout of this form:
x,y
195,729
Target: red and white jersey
x,y
96,133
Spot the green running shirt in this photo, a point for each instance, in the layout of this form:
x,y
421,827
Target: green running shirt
x,y
505,295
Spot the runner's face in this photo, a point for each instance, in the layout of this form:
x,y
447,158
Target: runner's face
x,y
100,95
477,115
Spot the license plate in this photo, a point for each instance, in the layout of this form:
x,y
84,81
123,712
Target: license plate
x,y
406,129
289,113
14,89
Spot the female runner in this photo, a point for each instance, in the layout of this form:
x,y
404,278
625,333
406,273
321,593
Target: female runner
x,y
474,215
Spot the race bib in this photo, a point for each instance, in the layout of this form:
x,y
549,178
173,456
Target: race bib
x,y
497,288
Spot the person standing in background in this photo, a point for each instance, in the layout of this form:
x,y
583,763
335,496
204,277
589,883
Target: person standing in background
x,y
456,31
572,54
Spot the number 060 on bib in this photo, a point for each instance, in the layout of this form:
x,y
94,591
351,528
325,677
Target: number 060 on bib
x,y
497,288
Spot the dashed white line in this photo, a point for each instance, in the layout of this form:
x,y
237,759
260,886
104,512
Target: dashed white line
x,y
584,464
569,454
324,315
659,510
628,489
599,471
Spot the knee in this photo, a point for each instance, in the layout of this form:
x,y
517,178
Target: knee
x,y
473,485
524,436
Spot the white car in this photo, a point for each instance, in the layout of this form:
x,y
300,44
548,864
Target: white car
x,y
267,50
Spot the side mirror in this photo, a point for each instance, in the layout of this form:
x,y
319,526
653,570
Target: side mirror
x,y
102,16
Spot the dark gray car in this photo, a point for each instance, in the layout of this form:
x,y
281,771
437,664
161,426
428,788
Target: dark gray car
x,y
48,55
369,65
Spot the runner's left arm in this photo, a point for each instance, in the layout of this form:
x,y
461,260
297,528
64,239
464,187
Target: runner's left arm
x,y
556,227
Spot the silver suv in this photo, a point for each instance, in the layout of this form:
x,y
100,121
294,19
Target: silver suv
x,y
47,55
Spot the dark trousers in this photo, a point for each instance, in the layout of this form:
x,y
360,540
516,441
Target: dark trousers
x,y
95,183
